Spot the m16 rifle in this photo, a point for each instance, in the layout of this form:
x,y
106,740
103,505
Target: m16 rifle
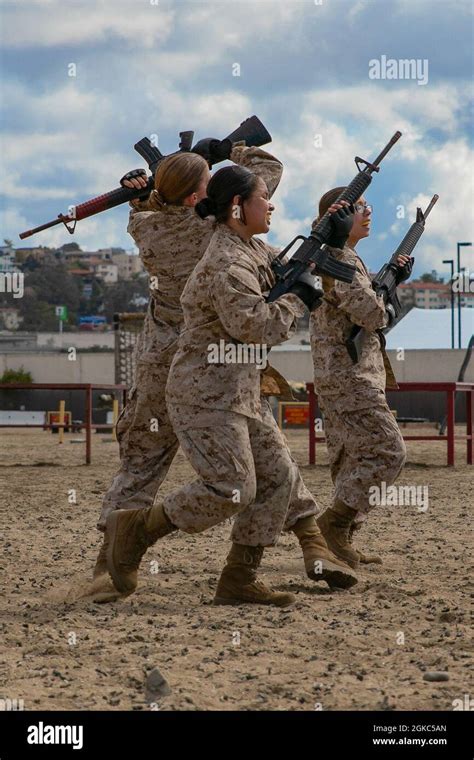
x,y
386,281
312,250
252,131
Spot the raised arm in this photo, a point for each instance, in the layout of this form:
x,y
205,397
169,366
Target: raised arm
x,y
259,162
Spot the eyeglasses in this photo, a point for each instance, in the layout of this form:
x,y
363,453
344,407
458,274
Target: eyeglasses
x,y
361,208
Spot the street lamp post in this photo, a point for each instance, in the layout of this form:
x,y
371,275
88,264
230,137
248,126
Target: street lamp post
x,y
459,245
451,280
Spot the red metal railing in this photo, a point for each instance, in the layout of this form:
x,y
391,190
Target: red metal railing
x,y
449,388
87,389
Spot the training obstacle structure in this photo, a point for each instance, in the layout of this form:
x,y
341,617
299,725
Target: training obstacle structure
x,y
127,328
87,389
450,389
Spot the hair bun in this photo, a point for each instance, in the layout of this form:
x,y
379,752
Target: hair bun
x,y
206,207
156,201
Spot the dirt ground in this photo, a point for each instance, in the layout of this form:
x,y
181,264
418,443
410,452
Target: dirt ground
x,y
367,648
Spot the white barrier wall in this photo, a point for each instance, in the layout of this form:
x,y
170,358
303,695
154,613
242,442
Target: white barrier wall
x,y
293,362
49,367
77,339
417,365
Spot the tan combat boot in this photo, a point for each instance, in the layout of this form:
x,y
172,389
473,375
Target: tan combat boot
x,y
335,524
129,533
100,567
238,583
365,559
320,563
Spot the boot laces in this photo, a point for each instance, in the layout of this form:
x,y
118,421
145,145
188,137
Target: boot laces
x,y
260,586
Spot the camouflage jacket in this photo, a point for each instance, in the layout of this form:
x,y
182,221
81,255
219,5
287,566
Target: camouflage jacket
x,y
225,313
171,242
336,378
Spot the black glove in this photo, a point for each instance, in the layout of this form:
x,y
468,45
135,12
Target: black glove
x,y
213,150
306,289
133,175
404,272
341,224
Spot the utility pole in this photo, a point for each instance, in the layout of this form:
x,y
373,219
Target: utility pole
x,y
451,282
459,245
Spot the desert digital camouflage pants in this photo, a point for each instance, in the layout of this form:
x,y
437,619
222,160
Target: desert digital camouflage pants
x,y
245,469
147,443
365,448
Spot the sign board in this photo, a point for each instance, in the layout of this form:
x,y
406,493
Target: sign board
x,y
61,313
52,418
293,414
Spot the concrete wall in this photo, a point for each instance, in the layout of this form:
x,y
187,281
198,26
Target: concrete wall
x,y
49,367
25,341
294,362
76,339
428,365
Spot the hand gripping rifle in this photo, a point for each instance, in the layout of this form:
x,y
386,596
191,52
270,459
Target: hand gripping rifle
x,y
312,249
251,130
386,281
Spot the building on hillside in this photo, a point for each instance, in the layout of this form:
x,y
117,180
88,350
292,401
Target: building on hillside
x,y
128,264
82,272
107,272
431,295
38,253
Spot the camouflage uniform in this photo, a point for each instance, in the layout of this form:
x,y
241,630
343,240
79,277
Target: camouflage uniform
x,y
365,446
171,242
224,426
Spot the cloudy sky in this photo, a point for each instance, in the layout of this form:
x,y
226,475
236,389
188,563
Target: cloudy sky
x,y
147,67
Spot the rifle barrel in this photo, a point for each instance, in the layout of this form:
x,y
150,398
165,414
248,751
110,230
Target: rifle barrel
x,y
46,226
432,203
388,147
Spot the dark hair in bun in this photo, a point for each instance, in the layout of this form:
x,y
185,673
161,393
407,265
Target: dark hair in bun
x,y
206,207
223,186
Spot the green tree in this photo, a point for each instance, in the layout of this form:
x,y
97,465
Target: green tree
x,y
16,376
48,286
120,296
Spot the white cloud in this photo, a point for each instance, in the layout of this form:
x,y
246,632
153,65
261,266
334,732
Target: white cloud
x,y
46,23
358,6
101,231
12,222
394,107
174,62
451,172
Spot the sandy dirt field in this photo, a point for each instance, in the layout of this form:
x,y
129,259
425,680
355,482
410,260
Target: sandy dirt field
x,y
367,648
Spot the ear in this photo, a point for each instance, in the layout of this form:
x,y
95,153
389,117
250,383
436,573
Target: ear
x,y
190,200
237,211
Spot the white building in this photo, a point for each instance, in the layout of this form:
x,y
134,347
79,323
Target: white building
x,y
128,264
107,272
